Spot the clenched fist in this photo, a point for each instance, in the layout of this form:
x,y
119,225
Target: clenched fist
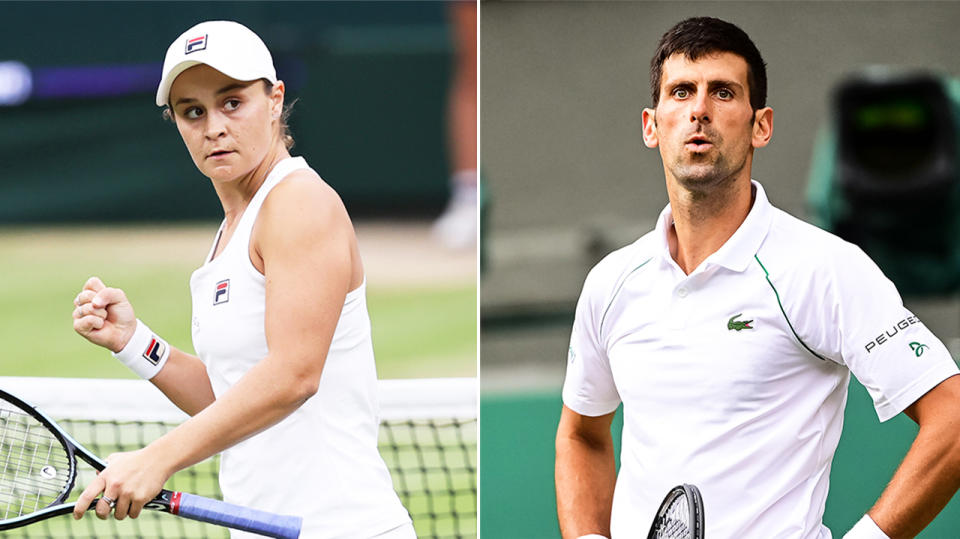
x,y
103,315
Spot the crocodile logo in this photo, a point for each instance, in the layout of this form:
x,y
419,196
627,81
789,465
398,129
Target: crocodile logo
x,y
736,325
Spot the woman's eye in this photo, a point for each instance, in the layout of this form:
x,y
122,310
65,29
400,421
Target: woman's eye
x,y
232,104
193,113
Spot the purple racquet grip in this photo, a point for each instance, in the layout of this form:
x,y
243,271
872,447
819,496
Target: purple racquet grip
x,y
234,516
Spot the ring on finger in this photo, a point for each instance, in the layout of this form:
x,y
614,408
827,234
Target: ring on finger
x,y
109,500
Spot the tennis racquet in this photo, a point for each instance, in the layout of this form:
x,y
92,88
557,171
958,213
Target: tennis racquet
x,y
680,515
38,469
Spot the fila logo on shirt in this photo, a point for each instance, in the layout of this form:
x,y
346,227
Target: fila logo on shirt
x,y
154,350
196,44
222,292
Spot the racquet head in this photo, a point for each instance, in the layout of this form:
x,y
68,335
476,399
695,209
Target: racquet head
x,y
37,464
680,515
38,469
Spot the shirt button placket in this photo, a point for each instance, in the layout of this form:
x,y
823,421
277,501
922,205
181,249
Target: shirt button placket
x,y
680,308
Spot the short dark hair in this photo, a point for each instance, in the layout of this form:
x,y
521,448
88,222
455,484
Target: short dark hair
x,y
701,36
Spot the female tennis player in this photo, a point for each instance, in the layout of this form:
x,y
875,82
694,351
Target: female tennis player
x,y
285,383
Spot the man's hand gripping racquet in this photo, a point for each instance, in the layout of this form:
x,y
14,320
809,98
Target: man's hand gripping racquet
x,y
38,469
680,515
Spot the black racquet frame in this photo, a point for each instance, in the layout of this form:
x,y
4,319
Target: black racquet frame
x,y
694,503
211,511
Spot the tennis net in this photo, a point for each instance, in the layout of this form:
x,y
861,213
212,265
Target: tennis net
x,y
428,438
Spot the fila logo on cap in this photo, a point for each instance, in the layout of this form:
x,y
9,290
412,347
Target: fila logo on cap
x,y
154,351
196,44
222,294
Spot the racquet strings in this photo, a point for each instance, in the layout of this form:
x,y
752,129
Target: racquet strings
x,y
675,522
35,468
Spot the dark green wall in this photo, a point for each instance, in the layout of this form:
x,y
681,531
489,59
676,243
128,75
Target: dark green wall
x,y
517,499
370,79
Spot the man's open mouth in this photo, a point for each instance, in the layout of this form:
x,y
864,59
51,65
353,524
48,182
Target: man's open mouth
x,y
698,143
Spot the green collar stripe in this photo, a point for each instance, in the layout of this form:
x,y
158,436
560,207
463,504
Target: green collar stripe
x,y
605,311
785,312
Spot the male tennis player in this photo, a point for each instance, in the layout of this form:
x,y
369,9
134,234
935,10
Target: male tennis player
x,y
729,334
284,383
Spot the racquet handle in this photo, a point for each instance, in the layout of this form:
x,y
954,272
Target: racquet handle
x,y
234,516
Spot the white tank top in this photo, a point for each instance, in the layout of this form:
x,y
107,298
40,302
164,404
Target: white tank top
x,y
321,462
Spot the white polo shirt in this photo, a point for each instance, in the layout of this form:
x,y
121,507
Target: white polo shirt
x,y
734,378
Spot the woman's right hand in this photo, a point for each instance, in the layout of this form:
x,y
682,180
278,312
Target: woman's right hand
x,y
103,315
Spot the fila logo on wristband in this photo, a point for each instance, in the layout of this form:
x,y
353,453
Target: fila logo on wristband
x,y
145,353
222,293
154,351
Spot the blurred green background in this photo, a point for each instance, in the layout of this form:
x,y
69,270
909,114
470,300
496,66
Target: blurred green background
x,y
419,330
94,182
517,498
369,80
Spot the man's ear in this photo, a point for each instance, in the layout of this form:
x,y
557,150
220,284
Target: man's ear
x,y
650,138
762,127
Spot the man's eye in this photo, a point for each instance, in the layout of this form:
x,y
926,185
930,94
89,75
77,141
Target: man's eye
x,y
681,93
723,93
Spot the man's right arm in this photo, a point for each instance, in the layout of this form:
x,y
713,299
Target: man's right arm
x,y
585,474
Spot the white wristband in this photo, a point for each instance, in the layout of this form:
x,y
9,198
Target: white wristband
x,y
592,536
145,352
866,529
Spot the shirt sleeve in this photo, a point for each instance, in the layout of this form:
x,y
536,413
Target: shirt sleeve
x,y
890,351
589,388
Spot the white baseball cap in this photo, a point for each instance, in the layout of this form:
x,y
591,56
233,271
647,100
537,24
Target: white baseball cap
x,y
229,47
